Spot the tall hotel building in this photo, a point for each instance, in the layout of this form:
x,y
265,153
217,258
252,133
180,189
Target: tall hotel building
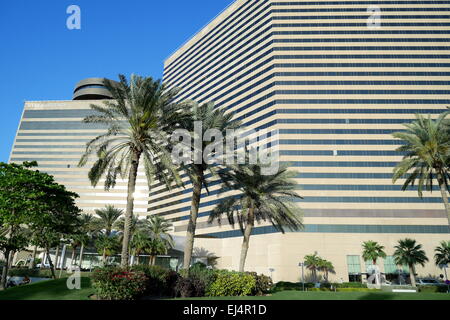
x,y
336,86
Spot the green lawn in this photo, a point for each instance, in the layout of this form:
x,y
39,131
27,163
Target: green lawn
x,y
300,295
57,290
48,290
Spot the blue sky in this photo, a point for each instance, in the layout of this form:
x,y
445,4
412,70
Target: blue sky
x,y
40,59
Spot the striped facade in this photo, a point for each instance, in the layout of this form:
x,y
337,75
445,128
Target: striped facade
x,y
335,88
53,134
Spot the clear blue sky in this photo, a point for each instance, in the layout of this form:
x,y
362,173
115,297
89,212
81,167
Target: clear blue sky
x,y
40,59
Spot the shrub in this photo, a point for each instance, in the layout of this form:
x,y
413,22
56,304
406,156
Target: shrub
x,y
22,272
160,281
286,286
263,284
436,289
230,283
189,287
113,283
350,285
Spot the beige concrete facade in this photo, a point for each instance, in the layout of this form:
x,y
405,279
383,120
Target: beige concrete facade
x,y
336,89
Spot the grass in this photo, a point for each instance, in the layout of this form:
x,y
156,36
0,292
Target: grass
x,y
300,295
57,290
48,290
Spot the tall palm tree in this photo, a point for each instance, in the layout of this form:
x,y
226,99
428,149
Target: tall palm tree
x,y
261,197
88,231
372,251
210,118
313,263
138,119
427,156
107,218
409,253
156,247
442,255
107,246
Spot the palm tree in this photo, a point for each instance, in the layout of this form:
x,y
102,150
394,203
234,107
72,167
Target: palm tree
x,y
427,154
313,263
107,218
372,251
138,120
326,267
442,255
107,246
210,118
87,231
160,240
139,244
136,225
261,198
407,252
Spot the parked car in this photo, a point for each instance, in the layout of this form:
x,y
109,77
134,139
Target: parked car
x,y
429,282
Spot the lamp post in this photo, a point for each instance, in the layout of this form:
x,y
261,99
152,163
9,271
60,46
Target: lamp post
x,y
302,264
271,270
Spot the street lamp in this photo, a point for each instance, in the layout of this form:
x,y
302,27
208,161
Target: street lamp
x,y
302,264
271,270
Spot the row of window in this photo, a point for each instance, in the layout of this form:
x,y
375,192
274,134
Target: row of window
x,y
369,2
324,228
354,24
360,16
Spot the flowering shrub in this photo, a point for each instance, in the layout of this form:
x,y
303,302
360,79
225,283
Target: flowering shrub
x,y
114,283
160,281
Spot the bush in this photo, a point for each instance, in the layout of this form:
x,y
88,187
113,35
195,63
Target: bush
x,y
160,281
230,283
22,272
286,286
350,285
435,289
190,287
113,283
356,290
263,284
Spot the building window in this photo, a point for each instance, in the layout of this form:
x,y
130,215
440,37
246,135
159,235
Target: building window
x,y
354,268
394,273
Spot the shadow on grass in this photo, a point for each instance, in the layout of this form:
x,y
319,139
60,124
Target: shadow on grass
x,y
377,296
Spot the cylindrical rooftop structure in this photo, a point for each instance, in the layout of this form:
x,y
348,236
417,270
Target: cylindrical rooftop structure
x,y
91,89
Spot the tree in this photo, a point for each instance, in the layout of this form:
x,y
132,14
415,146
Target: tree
x,y
372,251
210,118
407,252
139,244
442,255
87,233
106,218
427,156
326,267
160,241
261,197
313,263
107,246
138,121
30,199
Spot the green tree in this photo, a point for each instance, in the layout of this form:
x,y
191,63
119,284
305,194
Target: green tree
x,y
33,200
106,218
313,263
140,242
442,253
107,246
372,251
87,230
210,118
409,253
427,156
138,120
160,241
261,197
326,267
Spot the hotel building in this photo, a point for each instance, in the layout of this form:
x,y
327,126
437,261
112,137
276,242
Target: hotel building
x,y
336,81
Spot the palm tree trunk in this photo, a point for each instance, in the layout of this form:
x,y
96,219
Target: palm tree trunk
x,y
57,256
137,259
33,258
444,195
104,256
52,267
135,156
246,241
195,203
81,255
5,271
72,259
412,276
